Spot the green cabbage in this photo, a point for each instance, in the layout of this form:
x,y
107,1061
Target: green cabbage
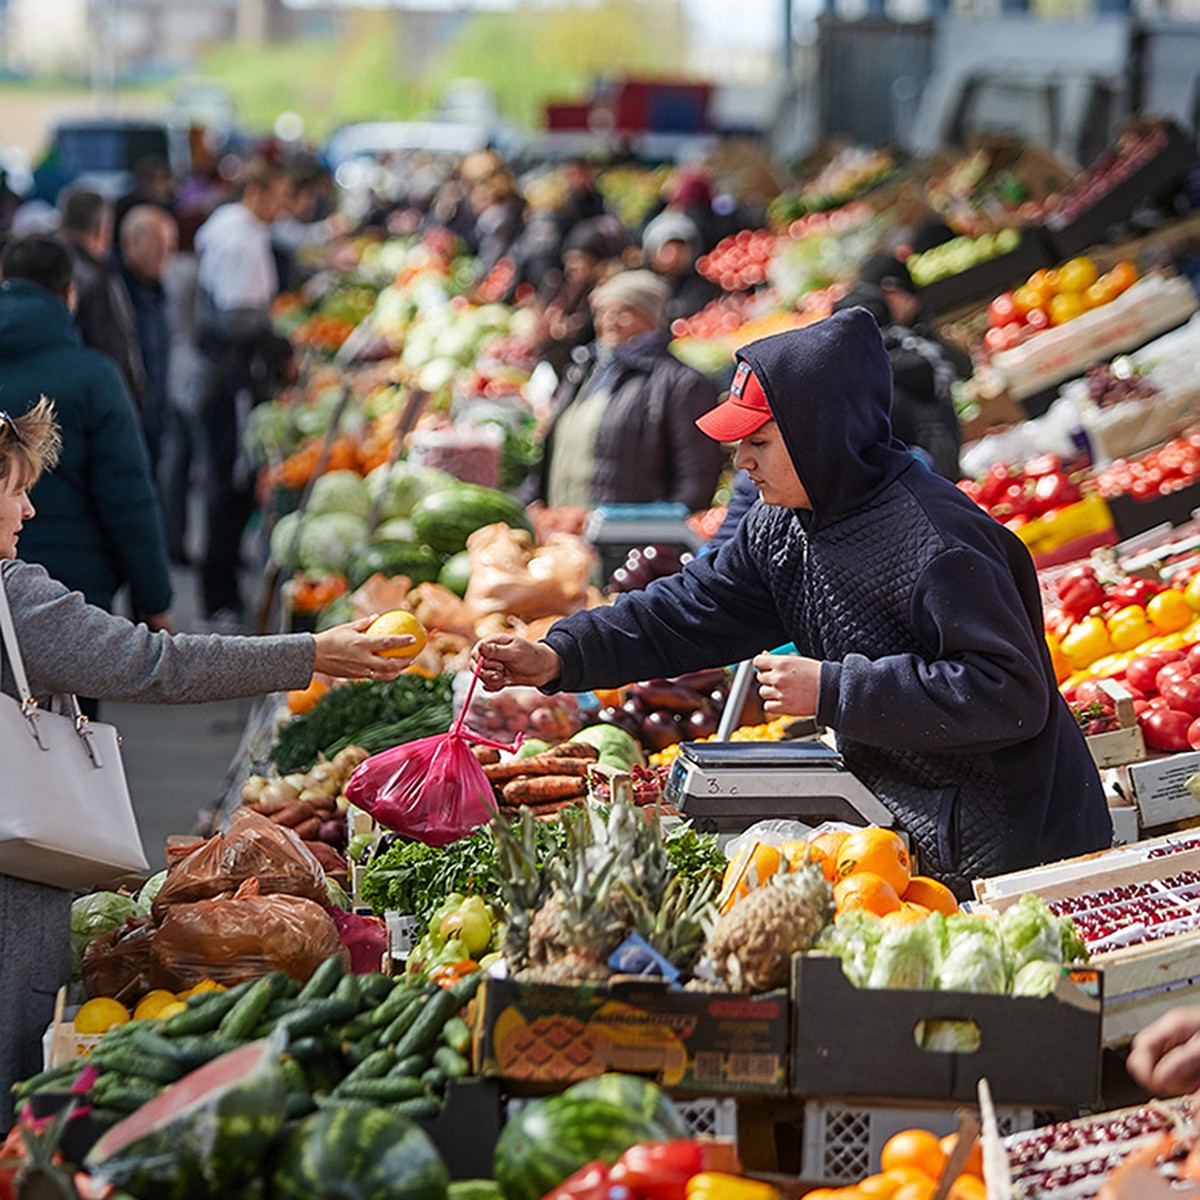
x,y
1037,978
974,958
339,492
94,915
853,938
904,958
283,538
1031,932
328,541
400,485
617,748
149,890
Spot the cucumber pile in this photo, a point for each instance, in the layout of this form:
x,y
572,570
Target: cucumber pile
x,y
346,1041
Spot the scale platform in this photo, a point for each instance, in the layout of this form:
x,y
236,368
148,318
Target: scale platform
x,y
724,787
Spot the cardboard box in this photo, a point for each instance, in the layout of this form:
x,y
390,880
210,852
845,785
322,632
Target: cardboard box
x,y
1158,787
714,1043
850,1041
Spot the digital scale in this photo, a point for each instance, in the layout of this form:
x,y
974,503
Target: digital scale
x,y
724,787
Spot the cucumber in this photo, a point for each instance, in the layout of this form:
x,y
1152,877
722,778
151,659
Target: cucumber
x,y
413,1065
293,1076
41,1081
387,1011
205,1011
422,1033
380,1091
128,1097
242,1019
194,1051
376,1064
456,1033
127,1061
348,989
317,1014
421,1108
305,1048
452,1064
399,1027
434,1080
344,1102
356,1028
375,987
358,1052
324,979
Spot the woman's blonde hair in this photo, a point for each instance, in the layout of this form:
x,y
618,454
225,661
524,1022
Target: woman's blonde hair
x,y
29,444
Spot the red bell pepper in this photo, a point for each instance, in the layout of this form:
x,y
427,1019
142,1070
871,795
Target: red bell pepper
x,y
993,485
1053,491
661,1170
590,1182
1079,591
1133,590
1043,464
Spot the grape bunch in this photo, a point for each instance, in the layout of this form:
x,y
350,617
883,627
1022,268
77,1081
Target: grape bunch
x,y
1107,387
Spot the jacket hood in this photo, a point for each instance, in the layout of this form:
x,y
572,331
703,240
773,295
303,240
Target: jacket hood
x,y
829,387
33,318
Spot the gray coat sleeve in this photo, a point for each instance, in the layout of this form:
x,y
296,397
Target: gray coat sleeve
x,y
69,645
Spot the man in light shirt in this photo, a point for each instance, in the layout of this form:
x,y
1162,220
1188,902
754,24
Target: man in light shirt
x,y
237,282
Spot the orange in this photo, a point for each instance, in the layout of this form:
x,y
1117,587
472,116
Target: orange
x,y
968,1187
974,1163
916,1191
866,891
304,700
820,1194
827,846
906,914
797,853
880,851
914,1148
930,894
879,1185
400,621
764,862
906,1175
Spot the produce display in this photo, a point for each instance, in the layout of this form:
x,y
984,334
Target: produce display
x,y
959,254
1159,473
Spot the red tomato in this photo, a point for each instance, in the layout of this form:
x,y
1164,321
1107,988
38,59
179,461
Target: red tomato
x,y
1183,695
1135,692
1156,702
1193,734
1167,730
1090,692
1002,311
1142,673
1193,659
1141,706
1171,672
1037,319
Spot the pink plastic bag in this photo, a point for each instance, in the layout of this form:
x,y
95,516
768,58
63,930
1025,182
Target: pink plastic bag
x,y
432,790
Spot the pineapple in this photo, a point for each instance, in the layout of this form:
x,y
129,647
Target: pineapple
x,y
523,884
752,945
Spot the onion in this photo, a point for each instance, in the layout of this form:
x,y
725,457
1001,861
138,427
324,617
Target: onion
x,y
252,789
332,832
279,791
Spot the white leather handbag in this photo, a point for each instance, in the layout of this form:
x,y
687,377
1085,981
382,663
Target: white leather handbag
x,y
66,818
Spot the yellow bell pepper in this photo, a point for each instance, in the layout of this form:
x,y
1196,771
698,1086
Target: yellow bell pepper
x,y
1129,627
1110,664
1169,611
1087,641
1192,592
1058,660
715,1185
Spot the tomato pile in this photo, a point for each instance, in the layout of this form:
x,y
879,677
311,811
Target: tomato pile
x,y
1159,473
717,318
739,260
1015,495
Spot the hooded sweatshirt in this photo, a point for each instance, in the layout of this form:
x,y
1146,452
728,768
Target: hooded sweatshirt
x,y
923,610
98,522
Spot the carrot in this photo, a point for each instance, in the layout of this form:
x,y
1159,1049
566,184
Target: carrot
x,y
486,755
541,789
292,815
540,764
572,750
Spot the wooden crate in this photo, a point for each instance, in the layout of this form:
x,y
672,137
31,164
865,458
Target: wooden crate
x,y
1124,744
1140,982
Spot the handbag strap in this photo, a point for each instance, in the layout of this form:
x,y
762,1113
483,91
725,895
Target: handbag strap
x,y
29,706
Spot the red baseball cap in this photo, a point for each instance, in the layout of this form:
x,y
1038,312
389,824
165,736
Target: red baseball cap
x,y
745,411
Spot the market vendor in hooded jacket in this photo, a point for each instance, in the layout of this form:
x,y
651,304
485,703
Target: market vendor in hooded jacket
x,y
917,617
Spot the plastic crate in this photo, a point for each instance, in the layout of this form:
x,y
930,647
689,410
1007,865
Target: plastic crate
x,y
842,1142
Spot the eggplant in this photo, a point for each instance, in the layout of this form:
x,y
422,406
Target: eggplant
x,y
635,707
700,724
704,681
621,719
717,698
660,731
662,693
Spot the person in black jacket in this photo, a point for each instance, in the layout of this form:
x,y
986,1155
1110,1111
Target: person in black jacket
x,y
917,617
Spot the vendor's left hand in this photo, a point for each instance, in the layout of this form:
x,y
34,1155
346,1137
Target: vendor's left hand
x,y
788,684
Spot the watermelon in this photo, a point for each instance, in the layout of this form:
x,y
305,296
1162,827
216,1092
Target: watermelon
x,y
551,1139
393,558
397,486
202,1136
456,573
444,520
355,1154
635,1094
475,1189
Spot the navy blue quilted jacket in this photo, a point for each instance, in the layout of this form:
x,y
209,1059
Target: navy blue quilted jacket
x,y
924,612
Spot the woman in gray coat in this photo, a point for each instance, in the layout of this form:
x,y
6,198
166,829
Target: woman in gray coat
x,y
69,645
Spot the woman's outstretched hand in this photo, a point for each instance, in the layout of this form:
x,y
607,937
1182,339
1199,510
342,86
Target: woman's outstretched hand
x,y
507,660
349,652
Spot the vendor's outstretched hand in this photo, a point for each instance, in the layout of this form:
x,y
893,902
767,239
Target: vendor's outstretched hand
x,y
788,684
1165,1057
349,652
507,660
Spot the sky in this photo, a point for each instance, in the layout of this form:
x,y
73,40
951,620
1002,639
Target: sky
x,y
746,24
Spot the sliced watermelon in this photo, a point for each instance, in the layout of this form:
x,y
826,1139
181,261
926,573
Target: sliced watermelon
x,y
202,1136
351,1154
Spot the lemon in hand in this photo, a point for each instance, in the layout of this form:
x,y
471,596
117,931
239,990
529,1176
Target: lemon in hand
x,y
100,1015
400,621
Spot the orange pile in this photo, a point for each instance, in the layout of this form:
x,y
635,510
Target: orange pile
x,y
911,1163
871,869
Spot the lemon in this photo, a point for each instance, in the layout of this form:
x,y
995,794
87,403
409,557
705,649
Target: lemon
x,y
400,621
205,985
152,1003
100,1015
169,1010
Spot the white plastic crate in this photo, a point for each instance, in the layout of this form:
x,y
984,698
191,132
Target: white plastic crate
x,y
714,1116
842,1142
